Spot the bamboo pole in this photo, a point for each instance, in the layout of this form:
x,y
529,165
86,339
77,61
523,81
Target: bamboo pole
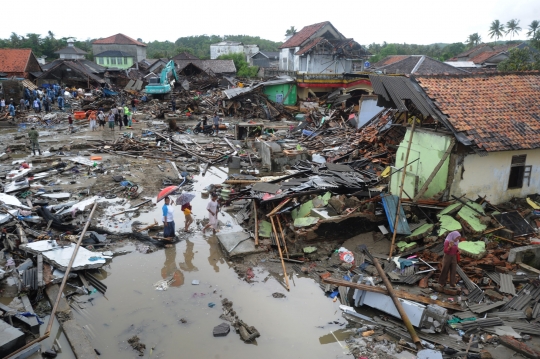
x,y
401,187
282,236
398,305
280,254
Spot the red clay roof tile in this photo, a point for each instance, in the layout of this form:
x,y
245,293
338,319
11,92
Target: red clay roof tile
x,y
14,60
119,39
303,35
498,112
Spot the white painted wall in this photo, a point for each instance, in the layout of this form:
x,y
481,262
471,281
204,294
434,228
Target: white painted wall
x,y
488,176
218,50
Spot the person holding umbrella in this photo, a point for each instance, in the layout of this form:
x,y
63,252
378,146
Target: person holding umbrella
x,y
168,218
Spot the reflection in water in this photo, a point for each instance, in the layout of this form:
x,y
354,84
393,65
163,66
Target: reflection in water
x,y
170,269
215,253
187,265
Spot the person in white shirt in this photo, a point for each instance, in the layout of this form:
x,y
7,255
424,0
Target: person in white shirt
x,y
168,218
212,208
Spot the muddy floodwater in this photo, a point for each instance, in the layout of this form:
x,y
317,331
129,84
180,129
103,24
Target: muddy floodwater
x,y
178,322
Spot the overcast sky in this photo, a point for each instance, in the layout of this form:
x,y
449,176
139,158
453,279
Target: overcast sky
x,y
419,22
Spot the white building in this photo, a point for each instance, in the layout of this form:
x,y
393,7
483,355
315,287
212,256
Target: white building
x,y
232,47
70,52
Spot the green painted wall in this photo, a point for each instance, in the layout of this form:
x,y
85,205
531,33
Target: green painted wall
x,y
272,90
429,147
107,62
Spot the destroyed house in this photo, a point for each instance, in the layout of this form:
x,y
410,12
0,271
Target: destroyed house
x,y
489,56
80,73
18,63
473,135
414,64
320,48
216,67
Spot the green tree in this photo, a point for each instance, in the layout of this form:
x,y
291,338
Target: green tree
x,y
291,31
496,29
242,67
512,27
535,40
452,50
534,26
520,60
474,39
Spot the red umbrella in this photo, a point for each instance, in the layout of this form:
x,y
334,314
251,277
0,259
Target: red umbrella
x,y
165,192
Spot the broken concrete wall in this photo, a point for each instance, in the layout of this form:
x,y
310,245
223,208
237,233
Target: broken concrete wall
x,y
429,147
488,175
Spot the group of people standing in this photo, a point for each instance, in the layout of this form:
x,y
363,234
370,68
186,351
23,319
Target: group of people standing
x,y
168,216
117,116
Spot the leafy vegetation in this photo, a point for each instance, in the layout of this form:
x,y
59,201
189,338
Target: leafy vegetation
x,y
496,29
44,46
520,60
242,67
437,51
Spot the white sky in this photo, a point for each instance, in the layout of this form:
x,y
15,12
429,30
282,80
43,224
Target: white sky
x,y
419,22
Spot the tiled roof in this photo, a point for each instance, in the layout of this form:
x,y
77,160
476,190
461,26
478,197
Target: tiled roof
x,y
419,65
14,60
71,50
216,66
118,39
113,53
482,57
388,60
497,112
303,35
309,45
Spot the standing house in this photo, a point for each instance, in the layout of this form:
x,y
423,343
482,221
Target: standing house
x,y
232,47
265,59
71,52
18,63
320,48
114,59
475,135
123,47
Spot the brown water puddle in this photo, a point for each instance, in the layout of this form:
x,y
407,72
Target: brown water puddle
x,y
292,327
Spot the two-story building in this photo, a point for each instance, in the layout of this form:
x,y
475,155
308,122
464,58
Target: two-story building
x,y
320,48
118,51
71,52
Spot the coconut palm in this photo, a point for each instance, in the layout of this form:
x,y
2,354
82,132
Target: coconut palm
x,y
474,39
291,31
496,29
533,28
512,27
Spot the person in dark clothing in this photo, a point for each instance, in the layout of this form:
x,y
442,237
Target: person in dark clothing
x,y
173,104
33,134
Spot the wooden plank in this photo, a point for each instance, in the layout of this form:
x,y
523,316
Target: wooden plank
x,y
40,271
399,293
528,267
256,223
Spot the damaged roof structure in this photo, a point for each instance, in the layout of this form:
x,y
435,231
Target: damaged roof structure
x,y
414,65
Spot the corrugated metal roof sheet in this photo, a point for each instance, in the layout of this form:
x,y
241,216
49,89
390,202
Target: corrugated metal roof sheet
x,y
506,285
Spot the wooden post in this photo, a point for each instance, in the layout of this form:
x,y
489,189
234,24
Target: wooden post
x,y
280,254
282,236
396,301
401,186
256,231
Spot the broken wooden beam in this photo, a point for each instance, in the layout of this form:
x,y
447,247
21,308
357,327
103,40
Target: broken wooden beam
x,y
399,293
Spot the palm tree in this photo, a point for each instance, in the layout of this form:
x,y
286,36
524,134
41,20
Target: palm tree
x,y
291,31
496,29
474,39
533,28
512,27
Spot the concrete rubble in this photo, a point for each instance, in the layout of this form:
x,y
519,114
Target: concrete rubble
x,y
303,179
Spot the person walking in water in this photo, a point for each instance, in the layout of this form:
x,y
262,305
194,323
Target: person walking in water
x,y
212,208
33,134
168,218
186,208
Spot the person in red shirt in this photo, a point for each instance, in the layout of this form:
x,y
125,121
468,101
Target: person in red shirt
x,y
450,258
